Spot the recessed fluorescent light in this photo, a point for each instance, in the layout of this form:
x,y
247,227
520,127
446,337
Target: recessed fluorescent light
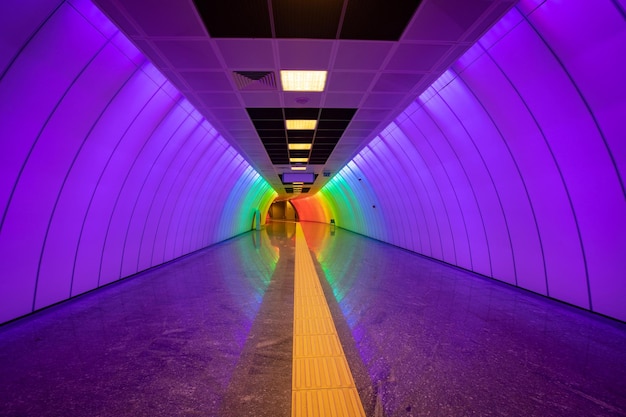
x,y
303,80
299,146
300,124
298,168
298,159
298,182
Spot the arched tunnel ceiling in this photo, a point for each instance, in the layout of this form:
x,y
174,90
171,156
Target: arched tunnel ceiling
x,y
367,71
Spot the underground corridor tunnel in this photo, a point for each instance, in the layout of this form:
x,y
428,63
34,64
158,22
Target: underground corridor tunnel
x,y
333,208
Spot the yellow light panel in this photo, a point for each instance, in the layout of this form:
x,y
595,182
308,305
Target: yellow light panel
x,y
299,146
300,183
298,159
301,124
303,80
298,168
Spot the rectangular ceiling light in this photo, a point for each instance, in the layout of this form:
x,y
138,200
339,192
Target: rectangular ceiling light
x,y
299,146
303,80
298,168
301,124
298,159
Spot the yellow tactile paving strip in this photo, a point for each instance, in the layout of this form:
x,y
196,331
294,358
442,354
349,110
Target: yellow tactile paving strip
x,y
322,382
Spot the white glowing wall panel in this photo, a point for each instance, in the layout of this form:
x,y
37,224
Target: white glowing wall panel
x,y
512,162
105,169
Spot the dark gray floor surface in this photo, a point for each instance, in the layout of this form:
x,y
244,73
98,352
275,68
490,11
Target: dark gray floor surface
x,y
210,335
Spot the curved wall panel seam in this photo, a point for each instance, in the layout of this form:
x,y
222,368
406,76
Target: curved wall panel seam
x,y
43,128
583,99
402,211
30,152
495,190
182,211
204,200
362,187
358,186
619,8
97,184
157,125
471,187
145,180
160,185
398,210
521,178
183,182
28,41
175,186
405,149
78,152
204,209
415,193
229,207
385,208
451,185
198,170
193,193
435,184
558,168
65,179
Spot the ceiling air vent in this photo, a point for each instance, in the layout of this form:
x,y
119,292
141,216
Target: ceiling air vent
x,y
255,80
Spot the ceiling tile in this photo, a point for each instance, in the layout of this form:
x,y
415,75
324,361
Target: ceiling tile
x,y
189,54
304,54
350,81
207,81
343,99
295,99
219,99
382,100
359,55
247,54
261,99
242,126
393,82
416,57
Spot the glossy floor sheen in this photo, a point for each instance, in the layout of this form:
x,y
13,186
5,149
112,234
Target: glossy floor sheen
x,y
211,335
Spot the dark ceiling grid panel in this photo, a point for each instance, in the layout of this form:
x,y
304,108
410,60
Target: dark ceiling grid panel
x,y
383,20
270,126
231,19
289,190
377,20
306,19
330,127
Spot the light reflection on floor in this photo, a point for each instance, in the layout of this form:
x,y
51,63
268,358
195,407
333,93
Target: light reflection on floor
x,y
163,343
427,338
440,341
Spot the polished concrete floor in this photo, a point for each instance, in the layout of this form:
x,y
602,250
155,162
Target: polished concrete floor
x,y
211,335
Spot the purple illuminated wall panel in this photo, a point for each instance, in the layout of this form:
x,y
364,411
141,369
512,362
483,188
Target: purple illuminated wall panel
x,y
106,170
512,163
